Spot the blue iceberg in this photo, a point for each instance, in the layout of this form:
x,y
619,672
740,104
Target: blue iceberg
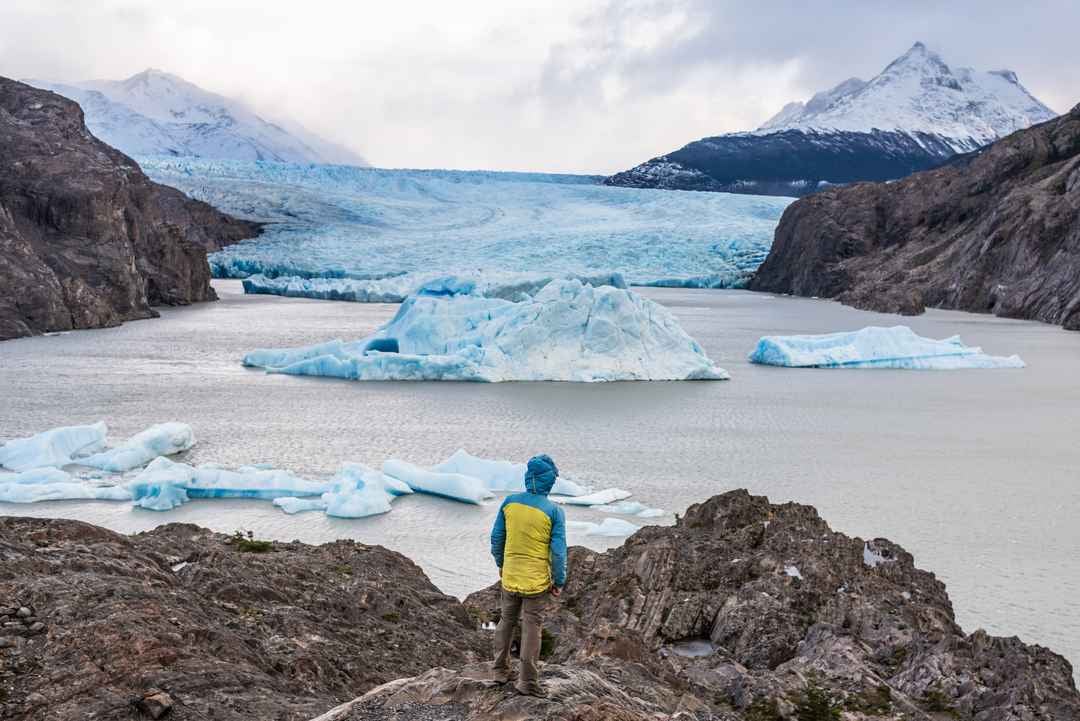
x,y
567,331
875,347
163,439
53,448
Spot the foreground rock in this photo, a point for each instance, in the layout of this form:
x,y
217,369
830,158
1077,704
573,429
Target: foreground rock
x,y
998,232
750,608
187,624
86,239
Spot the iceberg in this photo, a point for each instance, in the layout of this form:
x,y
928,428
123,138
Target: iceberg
x,y
395,289
501,476
53,484
449,485
875,347
630,508
165,484
164,439
57,447
358,491
609,527
605,497
567,331
335,222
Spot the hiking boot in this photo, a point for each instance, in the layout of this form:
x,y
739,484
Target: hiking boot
x,y
535,691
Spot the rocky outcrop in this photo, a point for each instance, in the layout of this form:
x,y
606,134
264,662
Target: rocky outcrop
x,y
997,232
196,625
86,239
752,608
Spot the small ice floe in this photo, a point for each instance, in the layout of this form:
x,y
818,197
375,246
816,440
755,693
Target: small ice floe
x,y
53,448
164,439
605,497
449,485
502,476
609,527
630,508
875,347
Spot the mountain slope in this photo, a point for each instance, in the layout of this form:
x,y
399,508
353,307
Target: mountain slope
x,y
87,240
997,231
156,113
913,116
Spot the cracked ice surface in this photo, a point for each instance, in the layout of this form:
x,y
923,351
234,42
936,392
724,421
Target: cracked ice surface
x,y
875,347
566,332
369,224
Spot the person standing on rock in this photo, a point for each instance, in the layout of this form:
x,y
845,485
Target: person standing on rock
x,y
528,542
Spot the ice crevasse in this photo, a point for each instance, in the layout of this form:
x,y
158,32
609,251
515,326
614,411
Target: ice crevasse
x,y
567,331
875,347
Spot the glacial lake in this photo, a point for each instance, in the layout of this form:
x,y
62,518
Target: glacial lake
x,y
974,472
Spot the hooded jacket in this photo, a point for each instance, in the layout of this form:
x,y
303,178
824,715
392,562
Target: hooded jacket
x,y
528,539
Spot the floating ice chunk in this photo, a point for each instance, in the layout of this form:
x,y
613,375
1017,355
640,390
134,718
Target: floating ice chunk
x,y
164,439
631,508
449,485
566,332
599,498
56,447
165,484
610,527
291,504
875,347
395,289
37,485
501,476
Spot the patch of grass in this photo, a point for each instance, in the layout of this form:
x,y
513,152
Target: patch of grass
x,y
344,569
938,702
816,704
764,709
247,543
392,617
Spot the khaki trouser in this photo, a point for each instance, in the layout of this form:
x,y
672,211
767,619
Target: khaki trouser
x,y
531,609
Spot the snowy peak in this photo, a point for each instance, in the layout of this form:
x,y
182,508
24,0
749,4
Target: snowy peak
x,y
157,113
919,93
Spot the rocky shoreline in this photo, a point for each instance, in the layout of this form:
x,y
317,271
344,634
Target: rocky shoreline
x,y
744,610
86,239
997,231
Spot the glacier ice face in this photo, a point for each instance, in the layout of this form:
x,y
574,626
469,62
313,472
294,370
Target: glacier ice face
x,y
501,476
509,286
566,332
163,439
875,347
449,485
56,447
371,224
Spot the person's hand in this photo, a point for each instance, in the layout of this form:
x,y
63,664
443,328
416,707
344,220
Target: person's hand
x,y
556,591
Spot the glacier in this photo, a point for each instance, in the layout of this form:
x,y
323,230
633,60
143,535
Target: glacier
x,y
56,447
164,439
338,222
875,347
566,332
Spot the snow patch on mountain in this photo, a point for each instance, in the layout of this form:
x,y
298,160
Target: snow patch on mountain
x,y
920,93
157,113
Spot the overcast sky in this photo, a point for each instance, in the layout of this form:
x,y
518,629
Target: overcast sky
x,y
560,85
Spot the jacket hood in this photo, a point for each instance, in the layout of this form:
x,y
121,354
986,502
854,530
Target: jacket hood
x,y
540,475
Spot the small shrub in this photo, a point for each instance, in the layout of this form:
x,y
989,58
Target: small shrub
x,y
874,702
247,543
938,702
764,709
816,704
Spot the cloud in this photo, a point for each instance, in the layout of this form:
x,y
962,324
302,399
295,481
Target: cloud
x,y
562,85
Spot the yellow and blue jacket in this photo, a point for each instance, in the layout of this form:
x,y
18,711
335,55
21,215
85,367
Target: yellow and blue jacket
x,y
528,542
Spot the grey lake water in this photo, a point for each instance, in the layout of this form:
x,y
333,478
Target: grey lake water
x,y
977,473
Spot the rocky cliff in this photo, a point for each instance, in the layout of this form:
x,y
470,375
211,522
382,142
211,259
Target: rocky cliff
x,y
743,611
997,231
86,239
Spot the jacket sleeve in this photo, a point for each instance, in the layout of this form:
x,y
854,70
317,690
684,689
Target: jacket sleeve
x,y
498,536
558,548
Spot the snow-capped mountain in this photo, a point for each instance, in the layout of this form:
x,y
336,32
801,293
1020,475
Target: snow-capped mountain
x,y
914,115
157,113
